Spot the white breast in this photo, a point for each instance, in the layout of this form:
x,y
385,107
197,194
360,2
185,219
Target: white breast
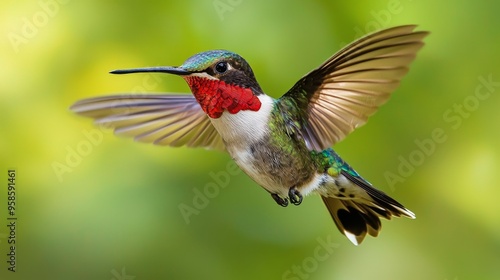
x,y
241,130
245,127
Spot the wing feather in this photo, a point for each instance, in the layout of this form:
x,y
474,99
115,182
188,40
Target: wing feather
x,y
171,120
345,90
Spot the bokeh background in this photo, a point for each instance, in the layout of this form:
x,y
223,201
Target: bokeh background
x,y
95,206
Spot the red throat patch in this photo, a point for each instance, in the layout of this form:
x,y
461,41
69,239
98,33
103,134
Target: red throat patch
x,y
215,96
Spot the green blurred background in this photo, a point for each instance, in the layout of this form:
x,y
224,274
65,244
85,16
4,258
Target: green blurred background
x,y
95,206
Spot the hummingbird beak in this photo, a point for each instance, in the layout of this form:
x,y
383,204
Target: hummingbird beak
x,y
159,69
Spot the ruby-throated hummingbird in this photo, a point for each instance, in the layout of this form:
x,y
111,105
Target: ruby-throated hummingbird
x,y
283,144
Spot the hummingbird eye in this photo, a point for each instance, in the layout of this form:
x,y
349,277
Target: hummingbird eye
x,y
221,67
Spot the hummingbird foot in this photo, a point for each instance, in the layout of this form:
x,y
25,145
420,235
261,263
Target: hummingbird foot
x,y
281,201
295,196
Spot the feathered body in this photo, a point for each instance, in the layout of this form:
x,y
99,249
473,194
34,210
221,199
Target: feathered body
x,y
283,144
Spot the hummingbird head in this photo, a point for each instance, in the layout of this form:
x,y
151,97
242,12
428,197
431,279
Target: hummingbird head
x,y
220,81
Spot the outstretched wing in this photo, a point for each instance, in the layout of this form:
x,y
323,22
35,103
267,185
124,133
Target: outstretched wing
x,y
345,90
173,120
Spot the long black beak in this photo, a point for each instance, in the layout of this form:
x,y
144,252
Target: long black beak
x,y
159,69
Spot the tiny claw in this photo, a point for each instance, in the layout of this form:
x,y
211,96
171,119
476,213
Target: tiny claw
x,y
281,201
295,196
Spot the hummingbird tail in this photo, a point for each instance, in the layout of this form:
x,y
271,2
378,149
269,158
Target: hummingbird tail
x,y
356,218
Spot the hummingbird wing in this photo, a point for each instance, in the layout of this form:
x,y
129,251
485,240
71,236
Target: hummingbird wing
x,y
345,90
172,120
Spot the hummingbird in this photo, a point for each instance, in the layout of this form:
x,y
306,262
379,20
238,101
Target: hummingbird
x,y
284,144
